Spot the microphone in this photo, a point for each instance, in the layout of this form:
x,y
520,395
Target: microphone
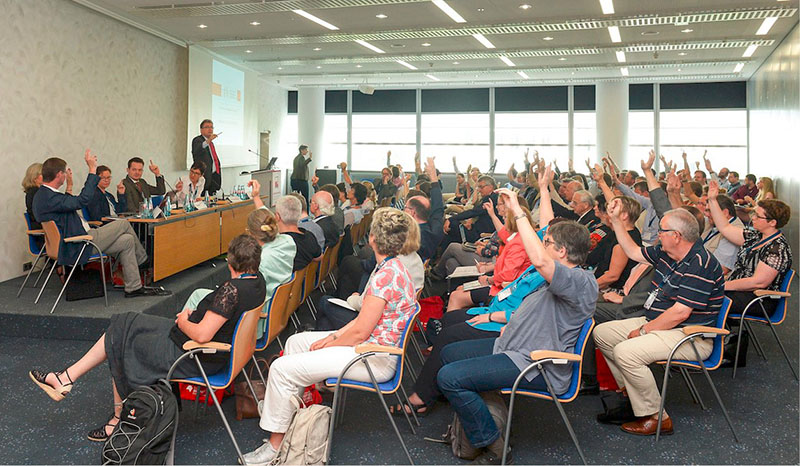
x,y
259,155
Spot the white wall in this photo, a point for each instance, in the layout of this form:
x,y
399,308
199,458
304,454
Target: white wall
x,y
773,95
73,78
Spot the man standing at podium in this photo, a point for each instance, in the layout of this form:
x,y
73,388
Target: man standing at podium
x,y
300,171
203,150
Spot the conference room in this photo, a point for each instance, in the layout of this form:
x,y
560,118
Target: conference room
x,y
174,155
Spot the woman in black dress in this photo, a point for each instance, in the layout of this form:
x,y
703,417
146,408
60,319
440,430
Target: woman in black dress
x,y
141,348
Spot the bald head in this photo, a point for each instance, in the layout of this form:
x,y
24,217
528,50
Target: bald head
x,y
568,189
419,207
321,203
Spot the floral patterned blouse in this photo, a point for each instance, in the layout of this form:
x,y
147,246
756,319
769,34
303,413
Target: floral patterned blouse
x,y
392,283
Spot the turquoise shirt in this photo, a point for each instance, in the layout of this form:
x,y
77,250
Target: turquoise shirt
x,y
277,259
525,284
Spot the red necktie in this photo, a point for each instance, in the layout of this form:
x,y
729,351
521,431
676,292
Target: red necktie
x,y
214,155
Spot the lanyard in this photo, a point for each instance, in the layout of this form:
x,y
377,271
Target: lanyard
x,y
714,231
383,262
247,275
764,241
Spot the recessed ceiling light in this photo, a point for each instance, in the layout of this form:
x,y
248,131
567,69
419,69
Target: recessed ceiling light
x,y
381,16
483,40
358,66
750,51
547,38
523,75
572,72
683,54
620,56
432,77
248,51
313,18
202,26
319,67
687,30
766,25
650,33
679,70
525,6
738,67
507,61
624,71
456,63
426,44
406,64
366,44
449,11
607,6
254,23
316,49
280,67
561,59
481,10
398,46
613,31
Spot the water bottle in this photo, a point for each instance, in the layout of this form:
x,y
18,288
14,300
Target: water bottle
x,y
167,209
208,202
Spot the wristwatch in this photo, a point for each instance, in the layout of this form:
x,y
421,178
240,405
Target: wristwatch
x,y
642,331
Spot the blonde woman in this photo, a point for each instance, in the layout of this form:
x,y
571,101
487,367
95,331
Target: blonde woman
x,y
766,190
30,185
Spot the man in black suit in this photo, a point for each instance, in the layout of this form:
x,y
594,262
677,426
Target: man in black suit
x,y
483,223
322,208
429,214
115,239
583,206
136,188
299,178
203,150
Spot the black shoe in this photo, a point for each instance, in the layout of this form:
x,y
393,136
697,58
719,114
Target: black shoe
x,y
147,291
589,388
730,350
618,410
487,457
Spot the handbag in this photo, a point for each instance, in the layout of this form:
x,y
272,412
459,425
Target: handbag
x,y
246,406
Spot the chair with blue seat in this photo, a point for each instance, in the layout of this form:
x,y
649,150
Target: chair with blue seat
x,y
52,241
748,317
277,319
241,348
712,362
541,359
392,386
34,237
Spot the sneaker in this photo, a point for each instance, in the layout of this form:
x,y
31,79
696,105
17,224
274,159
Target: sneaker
x,y
261,456
487,457
147,291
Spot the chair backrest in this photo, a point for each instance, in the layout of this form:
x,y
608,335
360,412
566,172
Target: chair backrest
x,y
297,291
334,257
324,265
52,239
404,337
580,346
715,358
243,343
33,245
85,213
311,277
780,311
274,314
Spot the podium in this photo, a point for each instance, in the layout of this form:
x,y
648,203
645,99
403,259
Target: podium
x,y
270,181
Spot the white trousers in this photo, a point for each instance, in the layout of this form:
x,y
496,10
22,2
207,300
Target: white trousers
x,y
299,368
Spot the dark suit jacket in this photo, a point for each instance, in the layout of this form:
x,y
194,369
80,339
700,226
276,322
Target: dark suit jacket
x,y
483,223
203,154
431,232
632,304
98,206
132,195
589,220
329,229
61,208
561,211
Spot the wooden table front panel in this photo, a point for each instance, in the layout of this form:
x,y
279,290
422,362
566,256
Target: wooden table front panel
x,y
234,223
185,243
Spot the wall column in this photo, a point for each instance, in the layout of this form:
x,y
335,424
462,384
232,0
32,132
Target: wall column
x,y
311,122
611,102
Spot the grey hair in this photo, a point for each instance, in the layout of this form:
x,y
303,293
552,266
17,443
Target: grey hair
x,y
488,180
573,237
585,196
682,221
289,208
325,202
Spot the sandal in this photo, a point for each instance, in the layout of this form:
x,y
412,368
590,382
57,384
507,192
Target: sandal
x,y
420,410
39,378
99,434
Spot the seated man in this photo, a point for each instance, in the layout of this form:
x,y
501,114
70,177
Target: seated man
x,y
115,239
137,189
483,223
103,203
338,214
548,319
687,289
356,195
429,214
287,212
189,187
307,224
322,208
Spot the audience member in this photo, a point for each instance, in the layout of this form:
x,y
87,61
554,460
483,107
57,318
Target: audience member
x,y
353,212
338,213
582,205
734,182
723,250
30,185
748,190
429,214
103,203
322,208
306,223
483,223
136,188
611,265
287,212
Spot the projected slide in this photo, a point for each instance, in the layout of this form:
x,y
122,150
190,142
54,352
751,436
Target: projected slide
x,y
227,104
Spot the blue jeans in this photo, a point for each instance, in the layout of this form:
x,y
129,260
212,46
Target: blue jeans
x,y
331,316
469,369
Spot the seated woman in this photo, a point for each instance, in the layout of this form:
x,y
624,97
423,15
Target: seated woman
x,y
30,185
141,348
764,256
311,357
611,266
766,190
511,262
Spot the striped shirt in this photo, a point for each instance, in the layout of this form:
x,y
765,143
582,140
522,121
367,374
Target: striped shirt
x,y
695,281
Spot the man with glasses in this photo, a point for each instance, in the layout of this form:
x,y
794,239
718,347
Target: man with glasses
x,y
103,203
189,187
482,223
687,289
203,150
429,214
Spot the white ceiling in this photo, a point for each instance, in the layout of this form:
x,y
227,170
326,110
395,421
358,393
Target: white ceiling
x,y
281,47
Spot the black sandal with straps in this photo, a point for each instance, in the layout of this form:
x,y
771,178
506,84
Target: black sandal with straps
x,y
99,434
39,378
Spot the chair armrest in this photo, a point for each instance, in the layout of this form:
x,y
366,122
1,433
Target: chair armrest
x,y
209,347
95,223
706,331
36,232
772,294
372,348
78,239
538,355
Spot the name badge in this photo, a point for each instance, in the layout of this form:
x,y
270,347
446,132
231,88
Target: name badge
x,y
651,298
504,293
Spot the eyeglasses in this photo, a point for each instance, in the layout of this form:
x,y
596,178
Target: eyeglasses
x,y
481,186
105,177
754,214
665,230
548,242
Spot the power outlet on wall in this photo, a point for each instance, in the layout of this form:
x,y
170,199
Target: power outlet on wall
x,y
26,266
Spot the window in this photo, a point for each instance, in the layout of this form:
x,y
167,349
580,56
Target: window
x,y
463,136
374,134
334,141
722,132
546,132
584,139
641,135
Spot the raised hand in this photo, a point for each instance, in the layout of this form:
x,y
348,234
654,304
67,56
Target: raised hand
x,y
713,189
430,169
646,166
510,200
684,155
179,186
489,207
256,187
597,174
708,163
154,168
69,176
673,182
545,177
314,180
120,188
614,209
91,160
526,155
697,165
589,163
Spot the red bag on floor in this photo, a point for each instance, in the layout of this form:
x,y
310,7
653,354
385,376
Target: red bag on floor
x,y
431,307
604,377
189,392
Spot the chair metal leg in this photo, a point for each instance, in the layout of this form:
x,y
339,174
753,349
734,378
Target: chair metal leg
x,y
311,307
403,408
687,377
563,415
713,389
30,271
219,409
197,403
413,413
66,282
663,395
386,409
260,374
417,349
783,350
411,370
41,271
280,343
44,285
756,342
250,385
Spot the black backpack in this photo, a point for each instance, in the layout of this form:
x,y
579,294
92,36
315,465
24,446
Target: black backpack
x,y
146,429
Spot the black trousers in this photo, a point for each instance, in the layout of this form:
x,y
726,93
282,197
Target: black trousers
x,y
455,328
301,186
740,299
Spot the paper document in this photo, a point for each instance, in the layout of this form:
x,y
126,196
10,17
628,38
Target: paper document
x,y
473,285
341,303
465,271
